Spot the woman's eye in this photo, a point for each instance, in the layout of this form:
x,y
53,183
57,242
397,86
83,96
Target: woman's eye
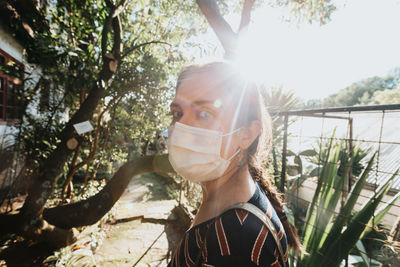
x,y
176,114
204,115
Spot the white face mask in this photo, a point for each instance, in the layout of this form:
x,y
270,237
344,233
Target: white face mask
x,y
195,153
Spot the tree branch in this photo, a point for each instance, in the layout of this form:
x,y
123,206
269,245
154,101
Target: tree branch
x,y
89,211
114,21
246,12
104,34
222,29
117,48
141,45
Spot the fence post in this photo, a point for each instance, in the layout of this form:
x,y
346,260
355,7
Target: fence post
x,y
350,152
284,154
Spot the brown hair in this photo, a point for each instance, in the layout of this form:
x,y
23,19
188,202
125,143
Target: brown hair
x,y
252,108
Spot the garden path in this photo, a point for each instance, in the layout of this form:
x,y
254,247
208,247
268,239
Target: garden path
x,y
143,231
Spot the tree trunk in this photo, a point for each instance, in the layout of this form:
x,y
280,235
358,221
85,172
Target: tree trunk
x,y
227,37
91,210
44,179
57,226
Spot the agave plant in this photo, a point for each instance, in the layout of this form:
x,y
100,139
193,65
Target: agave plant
x,y
298,174
329,238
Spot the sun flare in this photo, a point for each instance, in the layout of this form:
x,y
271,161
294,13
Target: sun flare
x,y
253,59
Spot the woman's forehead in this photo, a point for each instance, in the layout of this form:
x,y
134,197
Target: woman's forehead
x,y
204,87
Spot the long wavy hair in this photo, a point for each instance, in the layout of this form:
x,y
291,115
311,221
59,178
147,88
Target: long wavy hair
x,y
250,107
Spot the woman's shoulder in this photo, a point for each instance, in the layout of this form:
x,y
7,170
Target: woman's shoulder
x,y
241,233
244,229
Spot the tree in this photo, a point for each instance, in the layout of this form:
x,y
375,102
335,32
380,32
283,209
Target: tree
x,y
310,10
102,60
83,61
391,96
360,92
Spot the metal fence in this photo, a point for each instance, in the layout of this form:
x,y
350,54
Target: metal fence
x,y
374,129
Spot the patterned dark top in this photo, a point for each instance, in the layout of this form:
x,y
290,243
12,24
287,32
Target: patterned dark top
x,y
235,238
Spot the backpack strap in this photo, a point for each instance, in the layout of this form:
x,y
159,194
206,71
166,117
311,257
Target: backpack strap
x,y
265,219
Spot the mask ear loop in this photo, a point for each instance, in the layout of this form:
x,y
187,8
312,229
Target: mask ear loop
x,y
234,154
238,151
232,132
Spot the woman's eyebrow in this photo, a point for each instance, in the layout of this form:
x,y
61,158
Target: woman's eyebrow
x,y
174,105
197,103
203,102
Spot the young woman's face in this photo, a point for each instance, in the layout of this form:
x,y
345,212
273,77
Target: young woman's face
x,y
200,102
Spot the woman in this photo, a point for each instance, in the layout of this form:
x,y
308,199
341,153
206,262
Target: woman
x,y
219,136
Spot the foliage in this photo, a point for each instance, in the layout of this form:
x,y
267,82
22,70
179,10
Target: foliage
x,y
389,254
361,92
69,48
391,96
276,101
328,239
91,189
310,10
297,171
80,253
70,58
359,152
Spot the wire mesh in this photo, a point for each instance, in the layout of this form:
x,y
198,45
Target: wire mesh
x,y
375,130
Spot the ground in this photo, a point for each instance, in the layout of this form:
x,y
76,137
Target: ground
x,y
144,232
140,230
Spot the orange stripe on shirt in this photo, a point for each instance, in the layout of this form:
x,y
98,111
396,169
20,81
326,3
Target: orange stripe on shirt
x,y
222,241
177,253
255,253
269,211
204,252
285,257
276,253
241,215
276,264
189,261
198,238
280,234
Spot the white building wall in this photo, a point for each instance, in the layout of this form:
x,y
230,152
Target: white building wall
x,y
32,74
9,45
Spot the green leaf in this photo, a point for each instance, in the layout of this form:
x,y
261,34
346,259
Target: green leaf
x,y
328,201
363,253
290,153
46,143
345,212
297,160
382,211
315,172
345,242
296,182
308,153
72,54
292,170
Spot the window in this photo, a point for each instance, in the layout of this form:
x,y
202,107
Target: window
x,y
11,82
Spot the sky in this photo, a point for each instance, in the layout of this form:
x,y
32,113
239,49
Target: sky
x,y
361,40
